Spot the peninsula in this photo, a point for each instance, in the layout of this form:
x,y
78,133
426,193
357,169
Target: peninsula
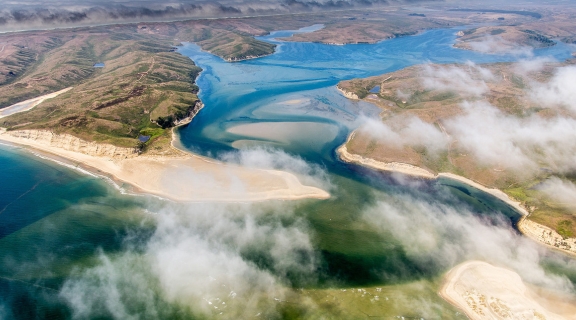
x,y
431,126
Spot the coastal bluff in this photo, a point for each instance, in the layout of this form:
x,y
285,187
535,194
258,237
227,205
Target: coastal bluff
x,y
348,94
70,143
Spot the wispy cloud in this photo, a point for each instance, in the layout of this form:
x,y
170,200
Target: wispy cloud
x,y
491,136
275,159
498,45
559,190
205,258
434,235
400,130
498,139
457,79
558,91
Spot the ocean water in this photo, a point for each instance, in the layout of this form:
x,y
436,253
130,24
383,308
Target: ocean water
x,y
61,228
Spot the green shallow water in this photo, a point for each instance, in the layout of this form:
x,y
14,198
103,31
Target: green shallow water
x,y
74,246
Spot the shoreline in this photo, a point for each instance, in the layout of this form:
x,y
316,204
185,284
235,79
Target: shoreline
x,y
537,232
185,178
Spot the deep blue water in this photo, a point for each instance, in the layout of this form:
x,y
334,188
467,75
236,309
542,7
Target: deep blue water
x,y
31,188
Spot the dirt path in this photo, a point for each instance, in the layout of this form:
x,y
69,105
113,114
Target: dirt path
x,y
143,74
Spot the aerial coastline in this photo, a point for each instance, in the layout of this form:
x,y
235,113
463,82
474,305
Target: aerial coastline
x,y
252,205
209,180
431,107
414,171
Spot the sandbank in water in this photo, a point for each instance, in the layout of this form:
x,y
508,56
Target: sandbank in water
x,y
484,291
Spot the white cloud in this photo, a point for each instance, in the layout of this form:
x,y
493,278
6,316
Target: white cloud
x,y
559,91
456,79
204,258
498,45
275,159
527,66
400,131
560,190
498,139
437,235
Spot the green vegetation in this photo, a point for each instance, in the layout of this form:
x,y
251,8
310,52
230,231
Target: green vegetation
x,y
542,39
565,229
152,132
496,32
145,87
543,209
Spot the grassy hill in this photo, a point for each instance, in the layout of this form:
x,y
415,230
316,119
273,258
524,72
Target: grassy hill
x,y
405,94
142,89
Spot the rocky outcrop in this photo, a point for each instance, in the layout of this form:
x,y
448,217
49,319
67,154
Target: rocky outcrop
x,y
348,94
71,143
191,114
547,236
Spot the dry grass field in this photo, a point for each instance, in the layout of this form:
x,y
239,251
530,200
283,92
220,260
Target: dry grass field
x,y
422,92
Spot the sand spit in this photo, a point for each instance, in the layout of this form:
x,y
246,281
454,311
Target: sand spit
x,y
547,236
531,229
403,168
29,104
187,178
484,291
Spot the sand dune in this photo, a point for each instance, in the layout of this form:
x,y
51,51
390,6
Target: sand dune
x,y
484,291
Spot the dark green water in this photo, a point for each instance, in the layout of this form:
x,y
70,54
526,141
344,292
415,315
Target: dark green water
x,y
72,245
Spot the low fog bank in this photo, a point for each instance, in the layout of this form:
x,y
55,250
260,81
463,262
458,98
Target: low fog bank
x,y
268,158
203,259
562,191
522,143
25,14
242,260
207,259
440,236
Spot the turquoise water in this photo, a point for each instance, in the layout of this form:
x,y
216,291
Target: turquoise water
x,y
57,224
256,90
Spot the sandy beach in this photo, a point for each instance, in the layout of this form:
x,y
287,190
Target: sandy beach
x,y
547,236
530,229
187,178
415,171
484,291
402,168
29,104
495,192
